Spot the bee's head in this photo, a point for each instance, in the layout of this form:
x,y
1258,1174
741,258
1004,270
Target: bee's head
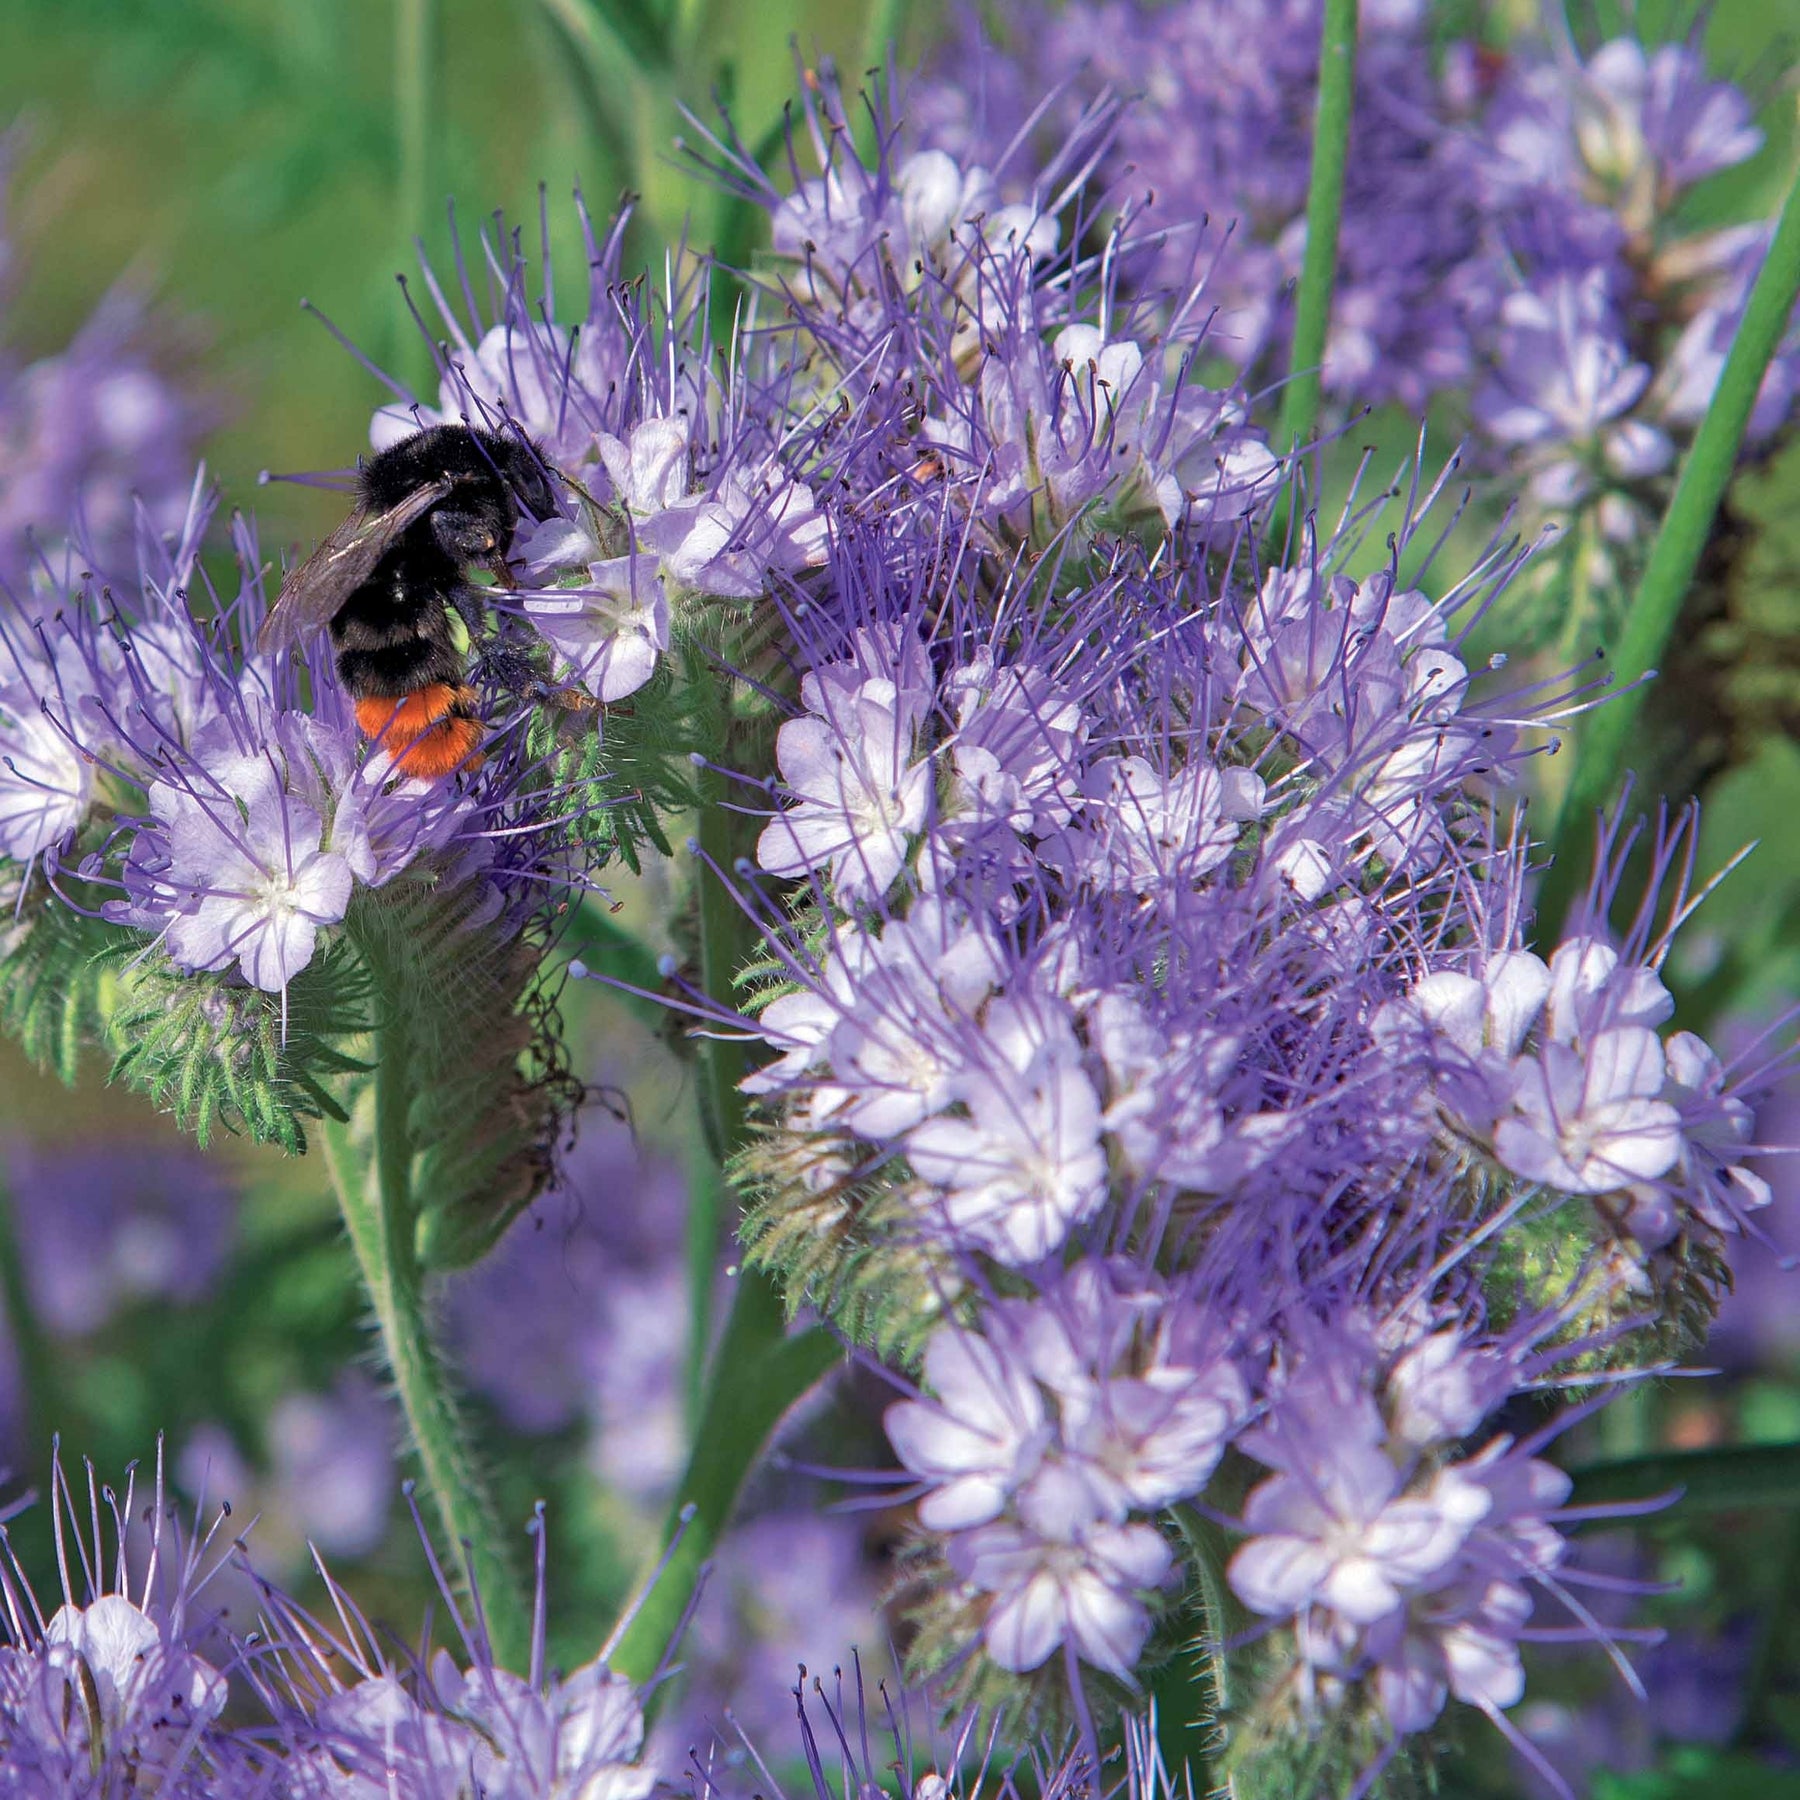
x,y
523,472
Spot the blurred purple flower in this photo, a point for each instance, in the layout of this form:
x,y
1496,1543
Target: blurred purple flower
x,y
580,1314
790,1588
97,442
109,1692
103,1227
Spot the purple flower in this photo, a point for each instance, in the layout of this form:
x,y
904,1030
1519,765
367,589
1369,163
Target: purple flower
x,y
46,785
1564,382
253,847
330,1480
1026,1163
1655,116
791,1588
1587,1121
109,1692
1584,166
1210,160
1105,1396
1063,1576
849,763
1403,1564
672,474
350,1718
103,1227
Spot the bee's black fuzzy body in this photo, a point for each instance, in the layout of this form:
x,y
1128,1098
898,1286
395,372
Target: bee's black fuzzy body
x,y
432,504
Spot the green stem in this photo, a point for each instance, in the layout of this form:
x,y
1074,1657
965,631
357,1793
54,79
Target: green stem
x,y
758,1374
1740,1478
39,1409
375,1194
1193,1691
1705,474
1324,210
1768,1659
758,1371
705,1187
414,44
723,934
1627,1427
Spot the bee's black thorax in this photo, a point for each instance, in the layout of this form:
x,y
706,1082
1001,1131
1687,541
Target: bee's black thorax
x,y
492,477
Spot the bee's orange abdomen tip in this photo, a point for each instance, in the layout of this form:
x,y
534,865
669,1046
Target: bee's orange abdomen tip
x,y
427,732
398,721
444,749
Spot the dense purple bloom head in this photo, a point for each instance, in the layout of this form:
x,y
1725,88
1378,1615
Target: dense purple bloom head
x,y
144,753
1214,142
672,487
121,1686
1156,1005
352,1716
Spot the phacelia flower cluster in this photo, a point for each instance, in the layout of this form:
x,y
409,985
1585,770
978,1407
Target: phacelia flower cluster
x,y
170,1666
1157,1060
1513,227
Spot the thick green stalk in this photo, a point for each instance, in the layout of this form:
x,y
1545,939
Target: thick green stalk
x,y
1193,1691
724,935
1324,210
374,1189
1774,1635
1705,474
756,1376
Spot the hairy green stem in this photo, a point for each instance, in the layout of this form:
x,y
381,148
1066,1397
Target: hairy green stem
x,y
1324,210
1193,1690
374,1190
1680,541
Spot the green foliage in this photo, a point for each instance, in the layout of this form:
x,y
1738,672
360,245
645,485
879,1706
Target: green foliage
x,y
626,766
1700,1772
847,1247
214,1051
209,1049
1731,683
57,986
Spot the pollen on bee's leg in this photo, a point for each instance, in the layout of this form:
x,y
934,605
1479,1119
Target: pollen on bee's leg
x,y
446,748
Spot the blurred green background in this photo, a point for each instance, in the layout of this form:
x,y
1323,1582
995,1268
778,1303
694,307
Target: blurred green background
x,y
239,156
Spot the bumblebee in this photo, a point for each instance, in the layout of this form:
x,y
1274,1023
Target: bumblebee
x,y
387,579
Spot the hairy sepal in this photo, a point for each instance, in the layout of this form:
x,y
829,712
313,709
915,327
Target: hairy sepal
x,y
207,1048
463,999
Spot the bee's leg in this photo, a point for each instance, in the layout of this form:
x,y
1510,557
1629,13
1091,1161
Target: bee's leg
x,y
469,607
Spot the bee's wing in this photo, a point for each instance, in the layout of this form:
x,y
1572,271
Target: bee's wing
x,y
312,593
